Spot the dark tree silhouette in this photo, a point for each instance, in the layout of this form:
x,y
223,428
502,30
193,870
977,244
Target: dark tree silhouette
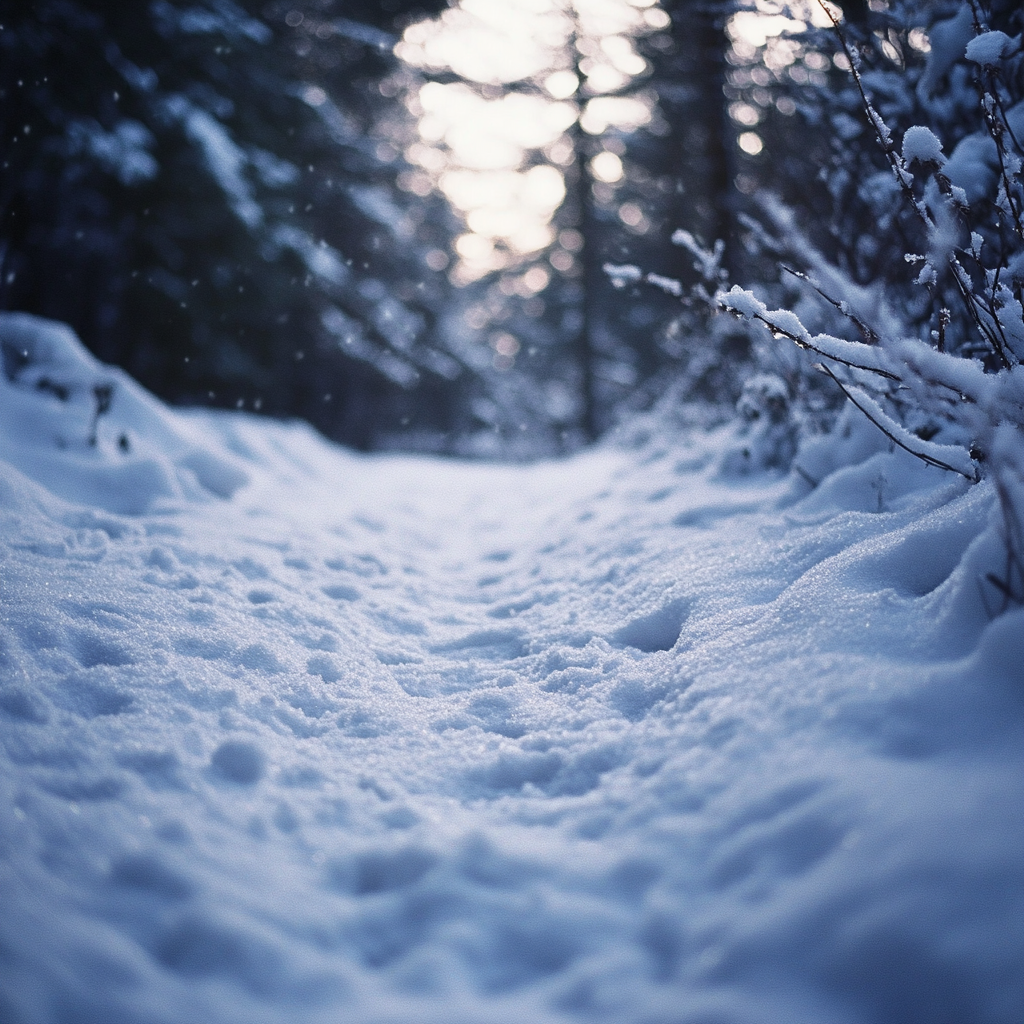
x,y
205,204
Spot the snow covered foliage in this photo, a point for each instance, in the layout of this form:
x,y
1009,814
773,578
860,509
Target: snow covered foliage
x,y
711,356
769,431
939,328
298,736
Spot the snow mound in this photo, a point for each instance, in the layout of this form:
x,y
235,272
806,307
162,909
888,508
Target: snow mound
x,y
629,738
922,144
89,433
990,48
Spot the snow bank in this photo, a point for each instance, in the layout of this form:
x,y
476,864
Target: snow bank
x,y
89,433
625,738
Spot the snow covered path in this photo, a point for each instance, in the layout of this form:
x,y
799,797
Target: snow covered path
x,y
618,738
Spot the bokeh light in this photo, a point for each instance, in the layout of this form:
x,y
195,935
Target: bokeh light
x,y
499,154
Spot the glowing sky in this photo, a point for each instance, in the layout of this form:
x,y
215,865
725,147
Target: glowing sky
x,y
495,139
499,153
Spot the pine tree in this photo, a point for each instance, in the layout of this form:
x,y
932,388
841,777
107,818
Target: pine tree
x,y
203,204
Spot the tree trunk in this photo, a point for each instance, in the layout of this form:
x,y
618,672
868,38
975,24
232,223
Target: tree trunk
x,y
693,99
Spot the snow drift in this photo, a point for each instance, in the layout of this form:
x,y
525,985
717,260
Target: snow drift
x,y
290,734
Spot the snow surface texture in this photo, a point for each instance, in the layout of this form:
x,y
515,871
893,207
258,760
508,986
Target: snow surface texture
x,y
920,143
990,48
290,734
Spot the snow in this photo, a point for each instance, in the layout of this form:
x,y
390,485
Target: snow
x,y
291,734
125,151
669,285
707,262
744,302
989,48
948,40
974,166
143,453
920,143
620,276
974,163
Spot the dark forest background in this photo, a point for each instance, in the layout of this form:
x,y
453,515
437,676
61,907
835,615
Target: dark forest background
x,y
218,196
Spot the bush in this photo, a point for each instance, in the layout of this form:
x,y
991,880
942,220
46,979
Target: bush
x,y
931,357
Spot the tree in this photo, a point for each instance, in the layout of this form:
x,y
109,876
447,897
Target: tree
x,y
687,170
164,187
614,144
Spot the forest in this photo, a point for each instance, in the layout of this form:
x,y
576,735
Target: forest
x,y
511,511
402,223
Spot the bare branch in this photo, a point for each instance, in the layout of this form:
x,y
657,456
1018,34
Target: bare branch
x,y
917,453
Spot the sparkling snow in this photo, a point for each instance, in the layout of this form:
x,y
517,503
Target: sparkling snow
x,y
922,144
291,734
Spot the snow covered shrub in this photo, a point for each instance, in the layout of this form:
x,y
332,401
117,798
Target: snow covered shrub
x,y
713,354
768,434
714,371
924,262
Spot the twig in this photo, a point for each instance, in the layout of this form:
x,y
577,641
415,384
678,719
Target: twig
x,y
804,343
868,333
923,456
